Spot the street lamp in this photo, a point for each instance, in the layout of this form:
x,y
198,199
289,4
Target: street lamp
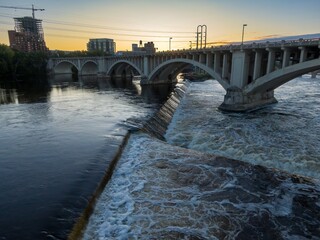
x,y
170,43
244,25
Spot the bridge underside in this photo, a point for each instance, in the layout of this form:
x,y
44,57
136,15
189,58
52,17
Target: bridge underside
x,y
65,68
167,73
122,70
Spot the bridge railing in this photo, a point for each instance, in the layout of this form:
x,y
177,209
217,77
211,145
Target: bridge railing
x,y
248,45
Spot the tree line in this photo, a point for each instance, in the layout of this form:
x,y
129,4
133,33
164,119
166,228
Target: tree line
x,y
14,63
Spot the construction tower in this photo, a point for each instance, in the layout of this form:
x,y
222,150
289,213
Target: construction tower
x,y
28,35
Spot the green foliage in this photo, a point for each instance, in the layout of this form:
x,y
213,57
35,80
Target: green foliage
x,y
14,63
30,64
6,58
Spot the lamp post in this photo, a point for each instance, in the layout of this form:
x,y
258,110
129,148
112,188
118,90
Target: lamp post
x,y
170,43
244,25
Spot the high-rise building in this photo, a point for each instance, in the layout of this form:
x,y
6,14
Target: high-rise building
x,y
28,35
105,45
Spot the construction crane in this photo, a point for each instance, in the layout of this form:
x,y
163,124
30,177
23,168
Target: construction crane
x,y
33,9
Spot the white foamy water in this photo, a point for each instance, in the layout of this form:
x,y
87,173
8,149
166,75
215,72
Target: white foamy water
x,y
284,136
162,191
159,191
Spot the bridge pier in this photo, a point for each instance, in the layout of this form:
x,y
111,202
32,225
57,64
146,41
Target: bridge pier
x,y
237,101
102,75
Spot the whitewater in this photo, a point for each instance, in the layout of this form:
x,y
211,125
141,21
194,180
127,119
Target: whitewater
x,y
220,175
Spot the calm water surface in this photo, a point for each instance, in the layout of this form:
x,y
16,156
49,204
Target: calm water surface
x,y
56,140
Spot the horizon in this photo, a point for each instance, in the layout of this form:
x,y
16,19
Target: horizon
x,y
69,26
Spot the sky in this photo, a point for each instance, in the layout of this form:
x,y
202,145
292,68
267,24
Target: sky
x,y
69,24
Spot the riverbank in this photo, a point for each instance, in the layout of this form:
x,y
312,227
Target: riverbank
x,y
161,191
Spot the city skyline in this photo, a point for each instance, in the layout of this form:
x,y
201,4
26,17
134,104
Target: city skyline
x,y
69,25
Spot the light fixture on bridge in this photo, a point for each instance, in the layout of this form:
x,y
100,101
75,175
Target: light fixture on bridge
x,y
244,25
170,43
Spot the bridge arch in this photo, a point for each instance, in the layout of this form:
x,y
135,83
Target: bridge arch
x,y
179,64
65,67
89,67
124,67
279,77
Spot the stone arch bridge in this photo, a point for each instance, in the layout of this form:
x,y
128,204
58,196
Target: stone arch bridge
x,y
249,73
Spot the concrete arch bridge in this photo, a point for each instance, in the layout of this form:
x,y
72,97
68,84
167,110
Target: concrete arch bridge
x,y
249,73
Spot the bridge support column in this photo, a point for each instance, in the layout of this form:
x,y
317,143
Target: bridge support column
x,y
303,54
217,59
240,69
146,65
257,65
286,57
226,66
271,60
210,60
236,101
202,58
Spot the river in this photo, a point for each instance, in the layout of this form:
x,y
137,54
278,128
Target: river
x,y
284,135
57,138
220,175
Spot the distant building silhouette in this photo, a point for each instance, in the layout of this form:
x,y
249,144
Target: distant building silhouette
x,y
28,35
105,45
148,48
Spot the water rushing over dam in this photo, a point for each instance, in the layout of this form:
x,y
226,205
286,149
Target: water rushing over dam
x,y
284,135
167,191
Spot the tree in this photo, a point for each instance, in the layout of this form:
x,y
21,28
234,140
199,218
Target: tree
x,y
6,60
30,64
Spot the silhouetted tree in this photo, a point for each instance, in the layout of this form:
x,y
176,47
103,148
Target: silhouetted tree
x,y
6,59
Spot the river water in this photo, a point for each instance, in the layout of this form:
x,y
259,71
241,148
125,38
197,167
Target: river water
x,y
220,175
56,140
284,135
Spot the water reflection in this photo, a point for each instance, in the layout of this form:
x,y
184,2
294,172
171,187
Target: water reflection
x,y
8,96
56,143
32,91
28,91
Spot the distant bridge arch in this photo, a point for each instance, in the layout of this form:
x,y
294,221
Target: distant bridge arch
x,y
121,66
89,67
65,67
